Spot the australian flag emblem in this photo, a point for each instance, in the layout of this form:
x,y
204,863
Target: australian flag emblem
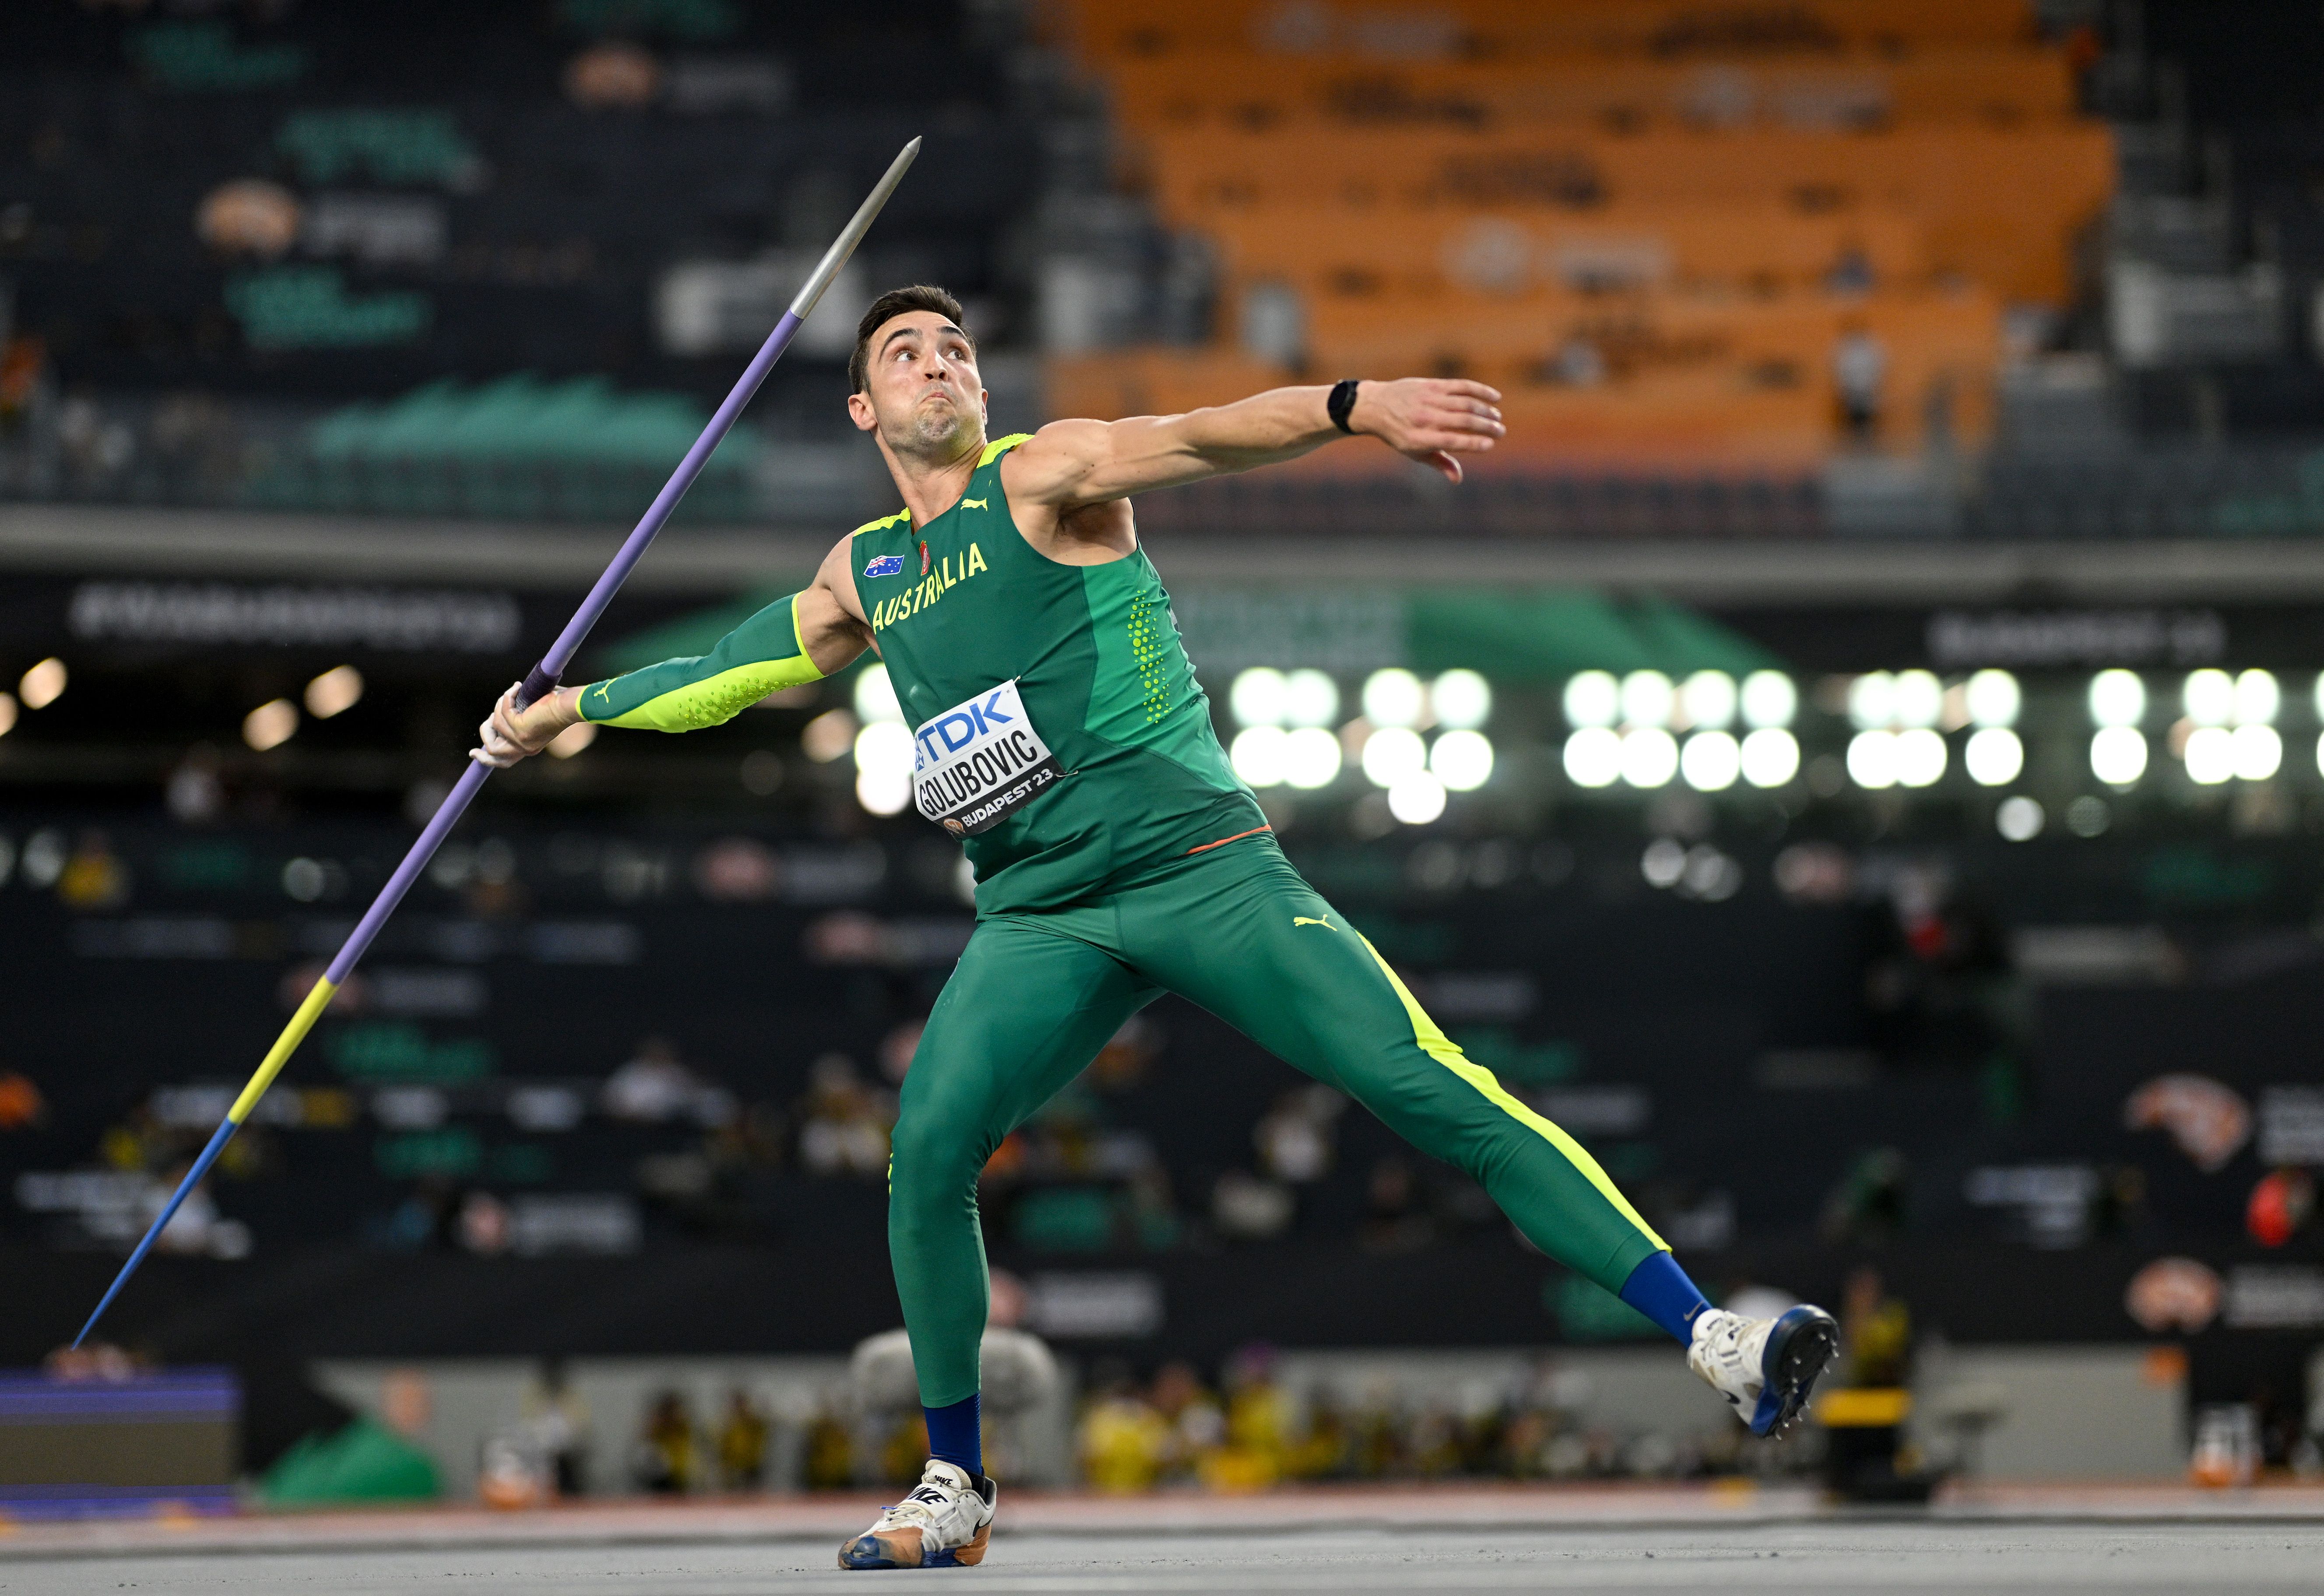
x,y
886,565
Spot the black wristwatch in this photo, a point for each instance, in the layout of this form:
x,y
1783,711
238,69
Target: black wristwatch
x,y
1342,402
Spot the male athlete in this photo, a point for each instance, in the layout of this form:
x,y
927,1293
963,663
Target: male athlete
x,y
1061,734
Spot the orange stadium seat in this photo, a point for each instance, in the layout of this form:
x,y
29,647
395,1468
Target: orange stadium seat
x,y
1336,250
2001,206
1241,88
1098,29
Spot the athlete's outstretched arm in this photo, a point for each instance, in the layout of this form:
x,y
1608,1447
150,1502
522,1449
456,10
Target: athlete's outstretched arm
x,y
1431,419
801,638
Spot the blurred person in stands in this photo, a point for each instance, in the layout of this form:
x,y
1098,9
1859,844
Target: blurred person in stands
x,y
664,1460
1060,734
1197,1426
842,1122
1860,365
1124,1443
557,1424
741,1444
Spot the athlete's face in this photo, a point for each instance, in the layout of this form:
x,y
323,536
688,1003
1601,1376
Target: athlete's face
x,y
924,393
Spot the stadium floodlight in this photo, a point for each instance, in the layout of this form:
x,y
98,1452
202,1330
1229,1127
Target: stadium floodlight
x,y
1463,699
1916,700
2118,755
1592,698
1771,756
1649,756
43,683
1417,799
2210,755
1710,761
1393,753
1920,756
334,691
1260,754
1872,700
883,767
2019,819
1462,759
2117,699
1310,698
1258,697
1311,757
1872,758
1993,757
1994,699
1648,699
2259,697
270,724
1593,757
1708,698
2209,697
2319,695
1394,697
1770,700
538,684
2256,752
875,697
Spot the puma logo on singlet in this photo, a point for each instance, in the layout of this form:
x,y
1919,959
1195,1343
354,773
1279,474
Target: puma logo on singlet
x,y
1299,920
976,504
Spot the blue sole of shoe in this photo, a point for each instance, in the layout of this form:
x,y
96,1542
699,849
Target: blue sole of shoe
x,y
1802,1341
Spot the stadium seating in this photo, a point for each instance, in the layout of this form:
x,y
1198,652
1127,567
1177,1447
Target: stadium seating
x,y
1695,203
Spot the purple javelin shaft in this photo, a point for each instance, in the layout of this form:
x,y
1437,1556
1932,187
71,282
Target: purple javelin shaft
x,y
543,678
540,680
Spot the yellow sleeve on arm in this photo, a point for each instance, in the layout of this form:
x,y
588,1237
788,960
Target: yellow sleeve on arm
x,y
765,654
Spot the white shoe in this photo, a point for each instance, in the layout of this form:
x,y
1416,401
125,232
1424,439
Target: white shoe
x,y
944,1523
1766,1367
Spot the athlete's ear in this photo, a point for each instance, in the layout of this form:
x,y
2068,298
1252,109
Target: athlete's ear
x,y
985,409
860,412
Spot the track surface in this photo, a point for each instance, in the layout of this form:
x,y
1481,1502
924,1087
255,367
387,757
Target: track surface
x,y
2220,1559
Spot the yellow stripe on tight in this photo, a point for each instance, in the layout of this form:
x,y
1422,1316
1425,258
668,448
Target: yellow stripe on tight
x,y
284,1046
1440,1047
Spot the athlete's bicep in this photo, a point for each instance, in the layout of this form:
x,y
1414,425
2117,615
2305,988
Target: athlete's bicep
x,y
830,634
1073,463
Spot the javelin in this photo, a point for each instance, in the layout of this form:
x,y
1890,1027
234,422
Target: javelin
x,y
540,681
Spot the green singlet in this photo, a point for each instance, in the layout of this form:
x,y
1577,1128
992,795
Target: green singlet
x,y
1060,734
1134,776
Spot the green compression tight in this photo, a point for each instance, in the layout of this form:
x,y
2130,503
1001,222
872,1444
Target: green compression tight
x,y
1237,932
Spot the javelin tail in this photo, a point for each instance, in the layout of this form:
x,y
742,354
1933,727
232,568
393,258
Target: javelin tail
x,y
542,680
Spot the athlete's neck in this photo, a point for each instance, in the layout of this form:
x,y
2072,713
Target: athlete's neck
x,y
932,483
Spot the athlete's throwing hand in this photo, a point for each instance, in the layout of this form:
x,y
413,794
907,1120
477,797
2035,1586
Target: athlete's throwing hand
x,y
1432,419
510,735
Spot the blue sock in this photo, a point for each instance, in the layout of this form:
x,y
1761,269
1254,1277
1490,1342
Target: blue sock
x,y
1658,1288
956,1435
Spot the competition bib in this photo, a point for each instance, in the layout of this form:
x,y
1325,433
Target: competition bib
x,y
978,761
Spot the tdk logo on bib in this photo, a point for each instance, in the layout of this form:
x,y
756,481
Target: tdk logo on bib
x,y
978,761
886,565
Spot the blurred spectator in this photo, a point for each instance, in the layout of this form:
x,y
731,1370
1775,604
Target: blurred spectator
x,y
1877,1329
251,217
95,1359
1245,1207
1197,1426
484,1223
1867,1205
741,1444
1125,1443
664,1460
1258,1426
828,1457
1852,271
654,1087
557,1424
1296,1138
843,1124
1860,365
613,76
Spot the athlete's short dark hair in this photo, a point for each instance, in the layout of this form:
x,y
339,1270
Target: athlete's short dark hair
x,y
884,310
